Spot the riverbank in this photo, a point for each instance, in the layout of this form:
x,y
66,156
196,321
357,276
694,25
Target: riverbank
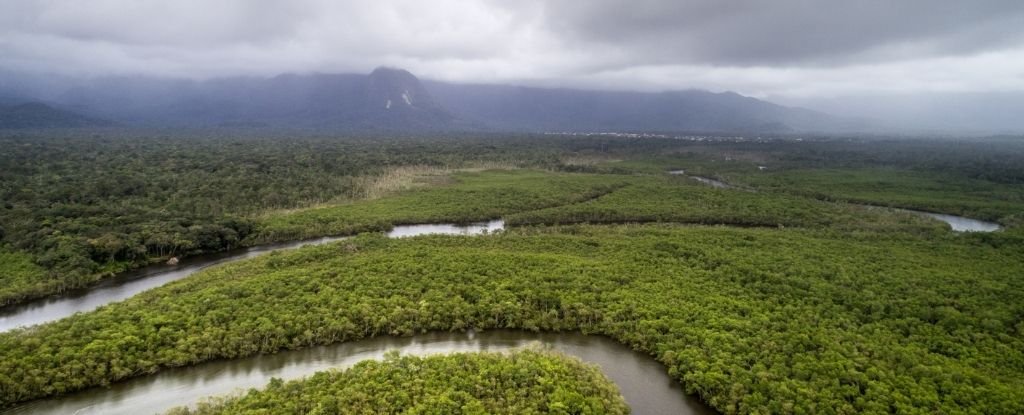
x,y
776,308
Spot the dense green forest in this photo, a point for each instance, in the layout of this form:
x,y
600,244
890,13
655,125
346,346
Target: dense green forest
x,y
751,319
468,196
665,198
941,191
529,381
77,206
795,299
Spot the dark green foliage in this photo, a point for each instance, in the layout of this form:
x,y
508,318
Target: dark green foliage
x,y
753,320
680,199
929,191
85,206
838,310
521,382
471,197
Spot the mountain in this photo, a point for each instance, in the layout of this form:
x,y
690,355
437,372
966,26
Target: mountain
x,y
390,99
396,97
329,101
38,115
539,109
930,113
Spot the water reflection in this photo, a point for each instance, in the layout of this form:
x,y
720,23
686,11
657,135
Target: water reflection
x,y
956,223
643,381
131,283
962,224
712,182
718,184
447,229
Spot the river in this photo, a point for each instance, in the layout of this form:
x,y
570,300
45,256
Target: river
x,y
718,184
643,381
957,223
960,223
128,284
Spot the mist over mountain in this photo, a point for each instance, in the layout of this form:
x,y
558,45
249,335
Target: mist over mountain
x,y
391,99
542,109
937,112
902,67
37,115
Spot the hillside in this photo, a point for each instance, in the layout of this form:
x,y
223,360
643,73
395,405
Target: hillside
x,y
538,109
390,99
37,115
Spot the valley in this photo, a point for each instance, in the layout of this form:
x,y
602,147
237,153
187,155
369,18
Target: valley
x,y
655,207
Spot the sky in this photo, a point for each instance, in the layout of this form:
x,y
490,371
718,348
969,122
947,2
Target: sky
x,y
789,50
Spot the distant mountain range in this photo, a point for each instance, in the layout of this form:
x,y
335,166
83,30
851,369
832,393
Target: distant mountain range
x,y
38,115
391,99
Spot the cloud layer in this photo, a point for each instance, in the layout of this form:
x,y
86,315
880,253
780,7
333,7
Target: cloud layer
x,y
797,48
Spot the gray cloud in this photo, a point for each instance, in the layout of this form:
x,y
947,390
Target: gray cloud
x,y
788,32
758,47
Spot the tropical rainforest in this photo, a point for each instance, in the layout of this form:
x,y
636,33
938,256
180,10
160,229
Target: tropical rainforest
x,y
521,382
793,290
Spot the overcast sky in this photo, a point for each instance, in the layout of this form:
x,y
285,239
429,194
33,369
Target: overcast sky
x,y
765,48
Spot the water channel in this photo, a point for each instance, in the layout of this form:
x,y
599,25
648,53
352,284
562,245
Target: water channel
x,y
642,380
128,284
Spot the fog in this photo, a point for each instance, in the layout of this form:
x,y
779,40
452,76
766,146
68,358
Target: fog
x,y
924,60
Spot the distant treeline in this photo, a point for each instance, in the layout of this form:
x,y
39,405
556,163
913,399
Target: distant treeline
x,y
997,159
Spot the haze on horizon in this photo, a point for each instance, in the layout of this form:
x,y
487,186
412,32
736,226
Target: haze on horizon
x,y
916,63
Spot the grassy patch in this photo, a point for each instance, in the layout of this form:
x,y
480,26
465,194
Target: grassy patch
x,y
662,198
474,196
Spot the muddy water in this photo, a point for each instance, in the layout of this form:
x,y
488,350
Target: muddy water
x,y
131,283
960,223
643,381
718,184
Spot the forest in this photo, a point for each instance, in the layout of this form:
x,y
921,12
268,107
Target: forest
x,y
780,294
78,207
529,381
752,320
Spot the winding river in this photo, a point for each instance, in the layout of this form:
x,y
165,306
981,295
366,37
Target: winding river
x,y
957,223
643,381
960,223
131,283
718,184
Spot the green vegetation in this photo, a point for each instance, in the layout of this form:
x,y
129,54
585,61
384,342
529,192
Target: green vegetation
x,y
979,178
522,382
471,197
18,271
83,206
753,320
929,191
678,199
86,206
800,305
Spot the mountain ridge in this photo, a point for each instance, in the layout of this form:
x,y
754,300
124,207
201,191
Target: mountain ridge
x,y
33,114
393,99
